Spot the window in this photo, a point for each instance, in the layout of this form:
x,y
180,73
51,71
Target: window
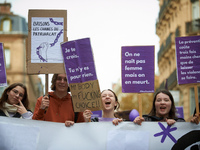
x,y
6,25
195,10
7,57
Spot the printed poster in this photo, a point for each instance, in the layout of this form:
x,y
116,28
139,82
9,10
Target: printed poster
x,y
188,59
138,69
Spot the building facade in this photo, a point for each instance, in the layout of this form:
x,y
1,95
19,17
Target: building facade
x,y
13,35
177,18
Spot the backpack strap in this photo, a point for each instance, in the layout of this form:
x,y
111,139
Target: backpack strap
x,y
75,116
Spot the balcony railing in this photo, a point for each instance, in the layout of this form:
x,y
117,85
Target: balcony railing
x,y
171,81
165,46
193,27
165,6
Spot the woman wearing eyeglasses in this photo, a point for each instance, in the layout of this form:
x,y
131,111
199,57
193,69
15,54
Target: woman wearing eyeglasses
x,y
14,102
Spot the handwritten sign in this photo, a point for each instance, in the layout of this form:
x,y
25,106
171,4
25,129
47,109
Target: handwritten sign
x,y
47,34
81,75
188,58
138,69
47,29
86,95
3,79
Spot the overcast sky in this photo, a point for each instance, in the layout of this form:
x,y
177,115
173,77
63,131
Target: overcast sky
x,y
110,24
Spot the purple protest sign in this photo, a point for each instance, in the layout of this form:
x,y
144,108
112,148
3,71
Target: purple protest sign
x,y
3,80
188,58
78,60
138,69
179,112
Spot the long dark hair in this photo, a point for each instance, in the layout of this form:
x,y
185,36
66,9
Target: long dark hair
x,y
172,112
4,97
116,99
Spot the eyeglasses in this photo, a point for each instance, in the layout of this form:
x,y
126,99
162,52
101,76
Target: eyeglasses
x,y
17,92
60,79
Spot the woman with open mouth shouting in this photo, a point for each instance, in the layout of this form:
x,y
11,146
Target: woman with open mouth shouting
x,y
110,103
163,109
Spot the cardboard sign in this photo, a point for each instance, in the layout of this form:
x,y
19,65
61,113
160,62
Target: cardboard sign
x,y
86,95
3,79
138,69
47,29
188,58
81,75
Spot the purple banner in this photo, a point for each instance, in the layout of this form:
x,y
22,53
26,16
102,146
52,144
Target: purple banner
x,y
188,59
78,60
138,69
3,80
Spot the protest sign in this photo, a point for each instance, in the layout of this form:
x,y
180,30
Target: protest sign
x,y
188,58
47,29
138,69
81,74
86,95
3,79
127,135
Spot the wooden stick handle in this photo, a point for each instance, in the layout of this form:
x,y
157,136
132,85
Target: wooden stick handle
x,y
196,99
46,87
140,104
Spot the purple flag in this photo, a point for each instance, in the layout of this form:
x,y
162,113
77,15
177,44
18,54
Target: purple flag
x,y
138,69
188,59
78,60
3,80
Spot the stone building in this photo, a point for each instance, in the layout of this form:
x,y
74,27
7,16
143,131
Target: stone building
x,y
13,34
176,18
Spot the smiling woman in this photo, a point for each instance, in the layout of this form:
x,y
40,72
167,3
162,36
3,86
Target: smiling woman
x,y
163,109
110,103
14,102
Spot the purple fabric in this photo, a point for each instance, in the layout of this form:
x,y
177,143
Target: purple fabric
x,y
105,119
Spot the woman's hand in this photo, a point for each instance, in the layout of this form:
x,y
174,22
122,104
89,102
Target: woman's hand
x,y
170,121
195,119
45,102
69,123
87,115
117,121
138,120
20,108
